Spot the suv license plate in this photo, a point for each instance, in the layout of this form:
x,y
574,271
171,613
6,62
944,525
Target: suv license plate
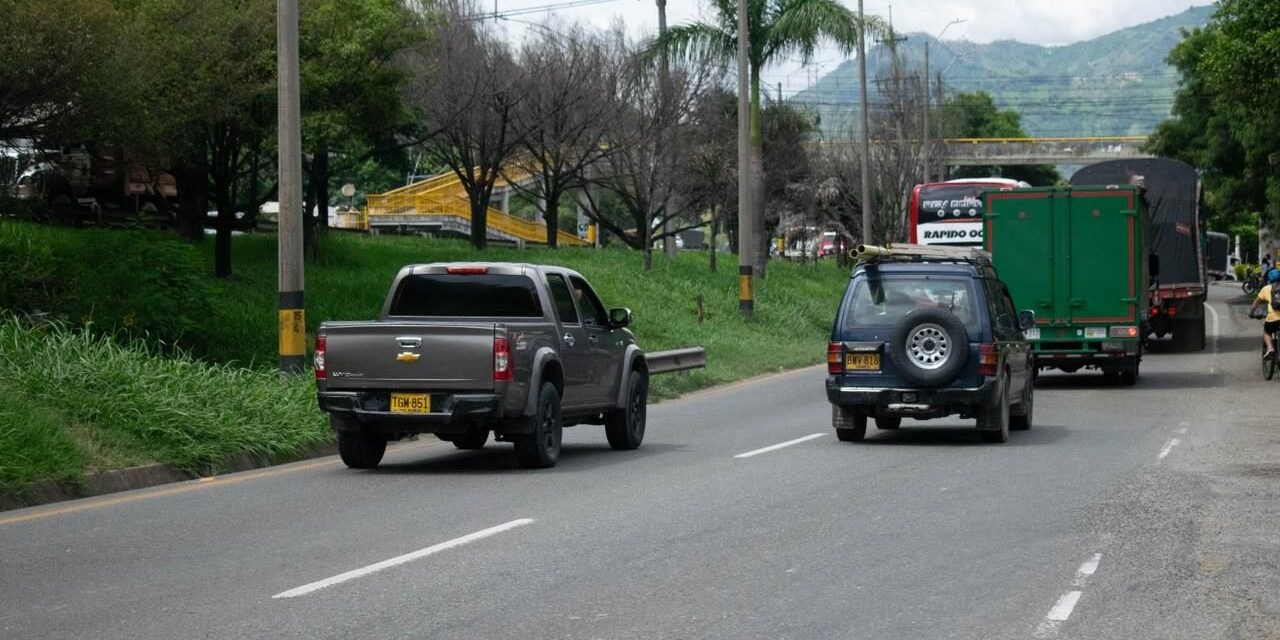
x,y
410,403
862,361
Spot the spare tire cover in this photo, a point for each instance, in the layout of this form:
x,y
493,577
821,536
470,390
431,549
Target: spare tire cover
x,y
929,347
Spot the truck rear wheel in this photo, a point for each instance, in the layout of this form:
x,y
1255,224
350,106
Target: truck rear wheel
x,y
360,450
540,448
624,426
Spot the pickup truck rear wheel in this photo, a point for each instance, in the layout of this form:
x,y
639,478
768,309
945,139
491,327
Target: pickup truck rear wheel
x,y
888,422
540,448
360,450
624,427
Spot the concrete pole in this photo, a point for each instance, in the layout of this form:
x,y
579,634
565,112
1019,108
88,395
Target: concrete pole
x,y
866,140
292,314
746,235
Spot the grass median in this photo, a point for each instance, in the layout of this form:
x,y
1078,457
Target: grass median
x,y
154,360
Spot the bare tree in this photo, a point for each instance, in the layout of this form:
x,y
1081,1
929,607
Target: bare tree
x,y
646,137
569,84
466,85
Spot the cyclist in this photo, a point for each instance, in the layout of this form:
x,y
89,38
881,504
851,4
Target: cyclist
x,y
1272,322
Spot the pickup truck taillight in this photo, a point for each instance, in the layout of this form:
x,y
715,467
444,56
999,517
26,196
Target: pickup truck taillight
x,y
988,359
835,358
317,360
501,359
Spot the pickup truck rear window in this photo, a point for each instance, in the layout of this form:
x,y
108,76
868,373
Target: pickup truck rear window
x,y
469,295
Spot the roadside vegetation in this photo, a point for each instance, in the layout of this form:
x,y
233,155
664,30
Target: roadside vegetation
x,y
138,354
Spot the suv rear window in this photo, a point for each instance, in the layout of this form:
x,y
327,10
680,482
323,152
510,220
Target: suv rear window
x,y
458,295
881,302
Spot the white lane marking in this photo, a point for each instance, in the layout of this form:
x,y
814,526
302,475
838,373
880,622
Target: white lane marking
x,y
1062,610
1168,446
399,560
1182,430
1213,312
779,445
1087,569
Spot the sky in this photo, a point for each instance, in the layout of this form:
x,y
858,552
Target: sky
x,y
1044,22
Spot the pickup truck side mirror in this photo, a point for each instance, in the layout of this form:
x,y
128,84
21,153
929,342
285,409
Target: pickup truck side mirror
x,y
619,317
1026,319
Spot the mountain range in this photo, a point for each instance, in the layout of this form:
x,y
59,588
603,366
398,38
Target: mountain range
x,y
1115,84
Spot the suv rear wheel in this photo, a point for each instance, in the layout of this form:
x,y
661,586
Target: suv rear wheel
x,y
360,450
850,424
1020,418
993,421
888,422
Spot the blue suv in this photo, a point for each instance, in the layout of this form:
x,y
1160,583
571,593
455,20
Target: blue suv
x,y
927,332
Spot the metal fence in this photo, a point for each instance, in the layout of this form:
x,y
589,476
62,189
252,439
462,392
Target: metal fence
x,y
676,360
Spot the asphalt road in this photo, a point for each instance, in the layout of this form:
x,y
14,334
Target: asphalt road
x,y
1145,512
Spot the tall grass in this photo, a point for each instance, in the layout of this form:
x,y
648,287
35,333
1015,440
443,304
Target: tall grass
x,y
166,408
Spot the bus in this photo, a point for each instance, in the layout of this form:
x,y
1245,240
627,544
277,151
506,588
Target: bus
x,y
950,213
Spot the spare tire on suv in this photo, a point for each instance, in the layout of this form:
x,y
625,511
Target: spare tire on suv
x,y
929,347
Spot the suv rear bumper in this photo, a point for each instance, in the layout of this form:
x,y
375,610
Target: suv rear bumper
x,y
922,402
456,412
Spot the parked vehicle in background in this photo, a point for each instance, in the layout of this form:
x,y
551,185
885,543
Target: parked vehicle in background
x,y
1217,260
1078,257
1172,192
950,213
101,184
830,244
464,349
928,332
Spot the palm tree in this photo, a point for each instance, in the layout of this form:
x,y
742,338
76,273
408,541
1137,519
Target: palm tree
x,y
777,29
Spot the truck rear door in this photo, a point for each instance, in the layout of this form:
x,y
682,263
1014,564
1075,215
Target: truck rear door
x,y
1020,237
1101,283
445,356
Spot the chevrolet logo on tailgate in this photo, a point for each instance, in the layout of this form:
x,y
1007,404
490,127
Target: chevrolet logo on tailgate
x,y
408,356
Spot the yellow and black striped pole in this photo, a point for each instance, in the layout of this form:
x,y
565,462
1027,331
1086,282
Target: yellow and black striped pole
x,y
746,238
293,326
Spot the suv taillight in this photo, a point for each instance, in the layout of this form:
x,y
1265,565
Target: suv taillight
x,y
987,359
317,360
501,359
835,358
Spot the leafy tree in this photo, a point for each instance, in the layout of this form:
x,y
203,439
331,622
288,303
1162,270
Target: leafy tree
x,y
975,115
777,30
351,83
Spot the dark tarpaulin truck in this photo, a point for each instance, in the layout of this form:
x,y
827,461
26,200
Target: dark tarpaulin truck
x,y
1078,257
1172,192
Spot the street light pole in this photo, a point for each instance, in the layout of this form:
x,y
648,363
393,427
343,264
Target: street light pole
x,y
866,141
664,79
291,310
746,238
927,104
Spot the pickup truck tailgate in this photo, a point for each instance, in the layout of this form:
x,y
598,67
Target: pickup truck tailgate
x,y
409,355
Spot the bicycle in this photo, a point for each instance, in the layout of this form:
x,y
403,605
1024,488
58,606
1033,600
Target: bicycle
x,y
1269,365
1252,283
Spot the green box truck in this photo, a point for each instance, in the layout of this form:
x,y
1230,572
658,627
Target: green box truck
x,y
1077,256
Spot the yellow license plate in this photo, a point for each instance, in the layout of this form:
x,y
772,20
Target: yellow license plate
x,y
862,361
410,403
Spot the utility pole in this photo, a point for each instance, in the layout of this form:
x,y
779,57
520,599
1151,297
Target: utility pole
x,y
866,141
293,327
664,71
746,236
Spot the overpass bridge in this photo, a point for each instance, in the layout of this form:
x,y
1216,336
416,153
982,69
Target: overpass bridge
x,y
1023,151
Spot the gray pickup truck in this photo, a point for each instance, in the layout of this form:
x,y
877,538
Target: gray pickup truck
x,y
462,349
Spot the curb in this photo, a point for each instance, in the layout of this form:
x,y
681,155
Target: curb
x,y
143,477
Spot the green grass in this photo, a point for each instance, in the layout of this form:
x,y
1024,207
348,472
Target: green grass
x,y
154,360
88,402
795,304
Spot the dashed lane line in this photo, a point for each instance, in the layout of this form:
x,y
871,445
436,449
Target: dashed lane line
x,y
779,445
402,559
1168,446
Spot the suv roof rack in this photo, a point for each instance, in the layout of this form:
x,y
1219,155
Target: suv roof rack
x,y
905,252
